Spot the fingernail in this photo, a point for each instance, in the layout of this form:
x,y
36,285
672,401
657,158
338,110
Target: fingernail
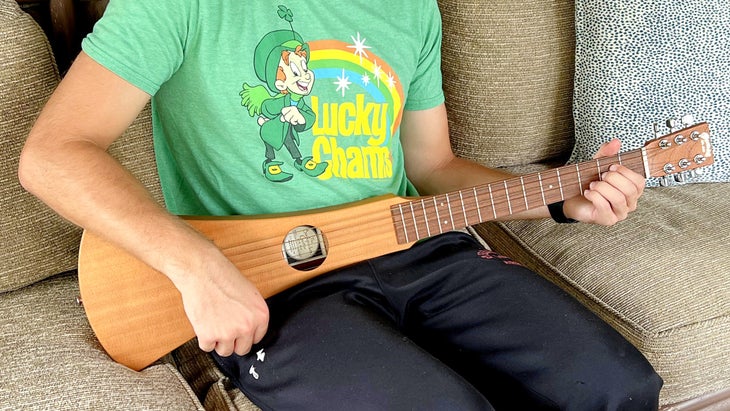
x,y
613,167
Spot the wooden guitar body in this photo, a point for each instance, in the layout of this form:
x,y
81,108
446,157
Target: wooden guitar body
x,y
116,285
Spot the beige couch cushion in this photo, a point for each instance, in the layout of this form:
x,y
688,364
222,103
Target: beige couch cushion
x,y
35,243
508,72
52,361
661,278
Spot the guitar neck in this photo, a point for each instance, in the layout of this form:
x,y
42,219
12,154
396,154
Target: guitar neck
x,y
427,216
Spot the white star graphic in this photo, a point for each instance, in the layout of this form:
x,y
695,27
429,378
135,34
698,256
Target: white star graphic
x,y
359,46
365,79
343,83
253,372
260,355
391,80
376,71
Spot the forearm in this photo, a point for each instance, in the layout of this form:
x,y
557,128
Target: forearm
x,y
84,184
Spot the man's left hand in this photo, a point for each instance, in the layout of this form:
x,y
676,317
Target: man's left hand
x,y
610,199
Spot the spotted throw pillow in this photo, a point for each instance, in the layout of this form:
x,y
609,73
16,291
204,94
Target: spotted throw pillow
x,y
639,62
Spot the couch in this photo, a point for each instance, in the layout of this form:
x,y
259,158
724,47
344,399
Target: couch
x,y
661,278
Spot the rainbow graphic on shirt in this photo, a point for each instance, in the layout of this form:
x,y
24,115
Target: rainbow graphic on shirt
x,y
350,68
365,100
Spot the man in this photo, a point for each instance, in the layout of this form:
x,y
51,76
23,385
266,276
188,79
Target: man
x,y
442,326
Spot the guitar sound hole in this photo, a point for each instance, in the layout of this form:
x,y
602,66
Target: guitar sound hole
x,y
304,248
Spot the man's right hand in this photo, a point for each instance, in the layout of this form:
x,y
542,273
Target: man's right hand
x,y
226,310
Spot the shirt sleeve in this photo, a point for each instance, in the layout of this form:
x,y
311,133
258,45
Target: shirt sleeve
x,y
141,41
426,90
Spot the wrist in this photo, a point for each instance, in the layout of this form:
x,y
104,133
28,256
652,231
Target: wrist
x,y
189,256
558,214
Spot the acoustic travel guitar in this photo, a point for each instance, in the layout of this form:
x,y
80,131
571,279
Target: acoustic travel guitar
x,y
137,313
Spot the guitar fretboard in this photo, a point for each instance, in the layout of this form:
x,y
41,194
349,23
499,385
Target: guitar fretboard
x,y
428,216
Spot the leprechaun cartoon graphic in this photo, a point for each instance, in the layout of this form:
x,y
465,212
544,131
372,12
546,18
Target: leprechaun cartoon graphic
x,y
281,63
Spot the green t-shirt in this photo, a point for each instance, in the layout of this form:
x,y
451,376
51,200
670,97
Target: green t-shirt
x,y
260,108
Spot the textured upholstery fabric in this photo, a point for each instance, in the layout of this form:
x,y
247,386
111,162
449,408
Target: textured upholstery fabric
x,y
51,360
508,72
35,242
661,278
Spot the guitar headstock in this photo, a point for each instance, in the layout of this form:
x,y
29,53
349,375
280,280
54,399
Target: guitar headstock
x,y
684,151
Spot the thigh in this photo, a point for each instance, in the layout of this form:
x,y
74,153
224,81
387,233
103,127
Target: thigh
x,y
521,340
329,352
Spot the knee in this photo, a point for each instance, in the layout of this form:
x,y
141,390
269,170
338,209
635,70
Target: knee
x,y
634,386
636,389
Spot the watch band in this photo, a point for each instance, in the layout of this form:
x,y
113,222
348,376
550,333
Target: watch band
x,y
557,214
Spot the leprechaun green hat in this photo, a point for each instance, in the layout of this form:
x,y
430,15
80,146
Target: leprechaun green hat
x,y
268,53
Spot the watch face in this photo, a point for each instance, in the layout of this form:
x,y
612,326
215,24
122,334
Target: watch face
x,y
304,248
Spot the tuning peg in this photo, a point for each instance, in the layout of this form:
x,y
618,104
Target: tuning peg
x,y
681,177
673,124
657,130
688,120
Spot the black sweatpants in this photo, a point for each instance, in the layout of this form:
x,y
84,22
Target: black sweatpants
x,y
445,325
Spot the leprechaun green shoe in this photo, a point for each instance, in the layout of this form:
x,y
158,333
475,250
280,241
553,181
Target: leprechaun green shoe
x,y
310,167
273,172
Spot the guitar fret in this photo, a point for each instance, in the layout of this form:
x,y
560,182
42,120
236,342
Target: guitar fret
x,y
476,201
425,217
438,215
506,193
560,185
491,198
524,193
415,223
580,183
403,221
463,209
542,190
598,166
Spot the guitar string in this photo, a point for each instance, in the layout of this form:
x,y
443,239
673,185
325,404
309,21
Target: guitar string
x,y
573,175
